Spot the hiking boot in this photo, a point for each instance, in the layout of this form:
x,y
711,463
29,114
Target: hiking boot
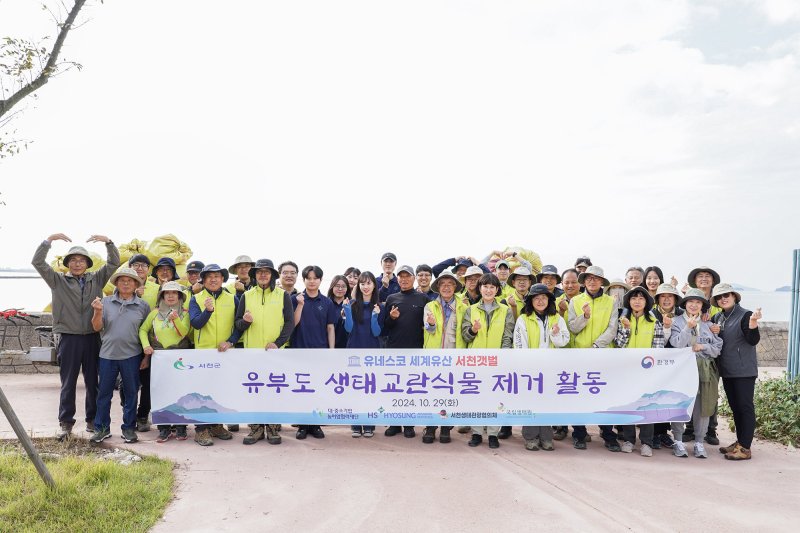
x,y
129,435
217,430
646,451
273,437
739,454
700,450
679,449
464,429
656,445
493,442
612,446
666,441
278,426
560,433
578,444
64,431
203,437
444,435
90,427
476,440
301,434
729,449
711,438
100,435
142,425
233,427
627,447
588,438
409,433
532,445
255,435
505,432
180,433
688,437
317,432
391,431
429,436
547,445
164,434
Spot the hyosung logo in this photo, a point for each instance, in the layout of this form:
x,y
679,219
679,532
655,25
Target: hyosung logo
x,y
647,361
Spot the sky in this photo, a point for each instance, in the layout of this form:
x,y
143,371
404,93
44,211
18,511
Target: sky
x,y
636,132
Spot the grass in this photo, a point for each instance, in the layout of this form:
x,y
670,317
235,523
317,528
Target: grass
x,y
91,494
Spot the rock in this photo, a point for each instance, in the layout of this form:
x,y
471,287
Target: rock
x,y
44,368
25,369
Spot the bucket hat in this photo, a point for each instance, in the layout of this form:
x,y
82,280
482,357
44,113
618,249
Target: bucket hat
x,y
626,300
594,271
473,270
213,267
166,261
724,288
693,274
78,250
521,271
449,275
264,263
128,272
171,286
537,289
548,270
695,294
239,260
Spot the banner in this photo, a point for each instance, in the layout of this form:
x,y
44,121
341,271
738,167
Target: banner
x,y
423,387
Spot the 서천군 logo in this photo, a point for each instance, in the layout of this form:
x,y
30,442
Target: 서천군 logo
x,y
179,365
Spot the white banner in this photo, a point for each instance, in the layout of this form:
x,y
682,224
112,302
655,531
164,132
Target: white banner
x,y
423,387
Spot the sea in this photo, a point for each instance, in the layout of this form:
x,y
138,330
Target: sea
x,y
26,290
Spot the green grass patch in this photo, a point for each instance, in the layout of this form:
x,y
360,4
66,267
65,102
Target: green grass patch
x,y
90,495
777,403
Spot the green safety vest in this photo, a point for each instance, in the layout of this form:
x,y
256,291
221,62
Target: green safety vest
x,y
150,294
534,333
601,307
220,326
434,340
490,335
266,306
559,299
642,332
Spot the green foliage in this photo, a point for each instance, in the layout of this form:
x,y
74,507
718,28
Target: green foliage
x,y
90,494
777,403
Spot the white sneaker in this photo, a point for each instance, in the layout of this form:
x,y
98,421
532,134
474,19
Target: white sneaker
x,y
679,449
700,451
627,447
356,434
647,451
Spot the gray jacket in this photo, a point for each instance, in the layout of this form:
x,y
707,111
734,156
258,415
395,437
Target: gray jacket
x,y
682,336
72,306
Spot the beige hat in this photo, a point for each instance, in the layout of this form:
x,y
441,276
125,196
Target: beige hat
x,y
125,271
449,275
171,286
471,271
239,260
521,271
695,294
78,250
594,271
724,288
616,282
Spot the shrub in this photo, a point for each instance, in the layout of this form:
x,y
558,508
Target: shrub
x,y
777,403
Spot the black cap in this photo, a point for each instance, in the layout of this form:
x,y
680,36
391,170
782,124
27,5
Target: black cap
x,y
195,266
390,256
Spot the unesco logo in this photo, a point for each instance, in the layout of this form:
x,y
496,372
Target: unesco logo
x,y
647,362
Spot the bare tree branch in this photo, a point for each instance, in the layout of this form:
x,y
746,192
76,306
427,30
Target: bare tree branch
x,y
50,67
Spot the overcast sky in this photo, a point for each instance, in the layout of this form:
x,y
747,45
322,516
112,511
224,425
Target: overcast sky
x,y
637,132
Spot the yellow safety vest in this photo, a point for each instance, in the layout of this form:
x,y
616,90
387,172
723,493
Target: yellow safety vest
x,y
490,335
164,332
434,340
150,294
565,316
534,333
642,332
220,326
266,306
601,307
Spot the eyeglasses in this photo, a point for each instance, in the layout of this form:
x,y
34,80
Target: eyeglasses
x,y
78,260
137,266
340,287
289,273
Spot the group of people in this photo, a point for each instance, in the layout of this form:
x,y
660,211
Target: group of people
x,y
458,303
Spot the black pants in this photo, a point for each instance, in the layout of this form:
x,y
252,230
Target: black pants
x,y
740,393
143,411
78,354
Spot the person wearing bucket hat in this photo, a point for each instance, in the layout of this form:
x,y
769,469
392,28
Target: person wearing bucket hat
x,y
617,289
403,325
665,309
212,313
487,324
582,263
690,331
550,277
540,326
363,321
119,317
639,329
471,277
164,271
167,327
265,318
441,318
147,290
241,269
79,347
521,279
738,365
193,270
593,322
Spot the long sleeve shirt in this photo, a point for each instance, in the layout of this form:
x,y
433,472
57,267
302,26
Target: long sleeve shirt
x,y
488,310
198,317
546,336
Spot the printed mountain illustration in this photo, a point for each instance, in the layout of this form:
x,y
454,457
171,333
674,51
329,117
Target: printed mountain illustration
x,y
662,399
197,403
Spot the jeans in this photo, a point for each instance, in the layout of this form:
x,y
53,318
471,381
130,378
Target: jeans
x,y
76,354
109,369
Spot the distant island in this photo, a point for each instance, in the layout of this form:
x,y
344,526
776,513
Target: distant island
x,y
740,288
785,288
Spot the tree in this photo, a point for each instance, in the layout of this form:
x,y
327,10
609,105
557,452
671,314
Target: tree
x,y
25,67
